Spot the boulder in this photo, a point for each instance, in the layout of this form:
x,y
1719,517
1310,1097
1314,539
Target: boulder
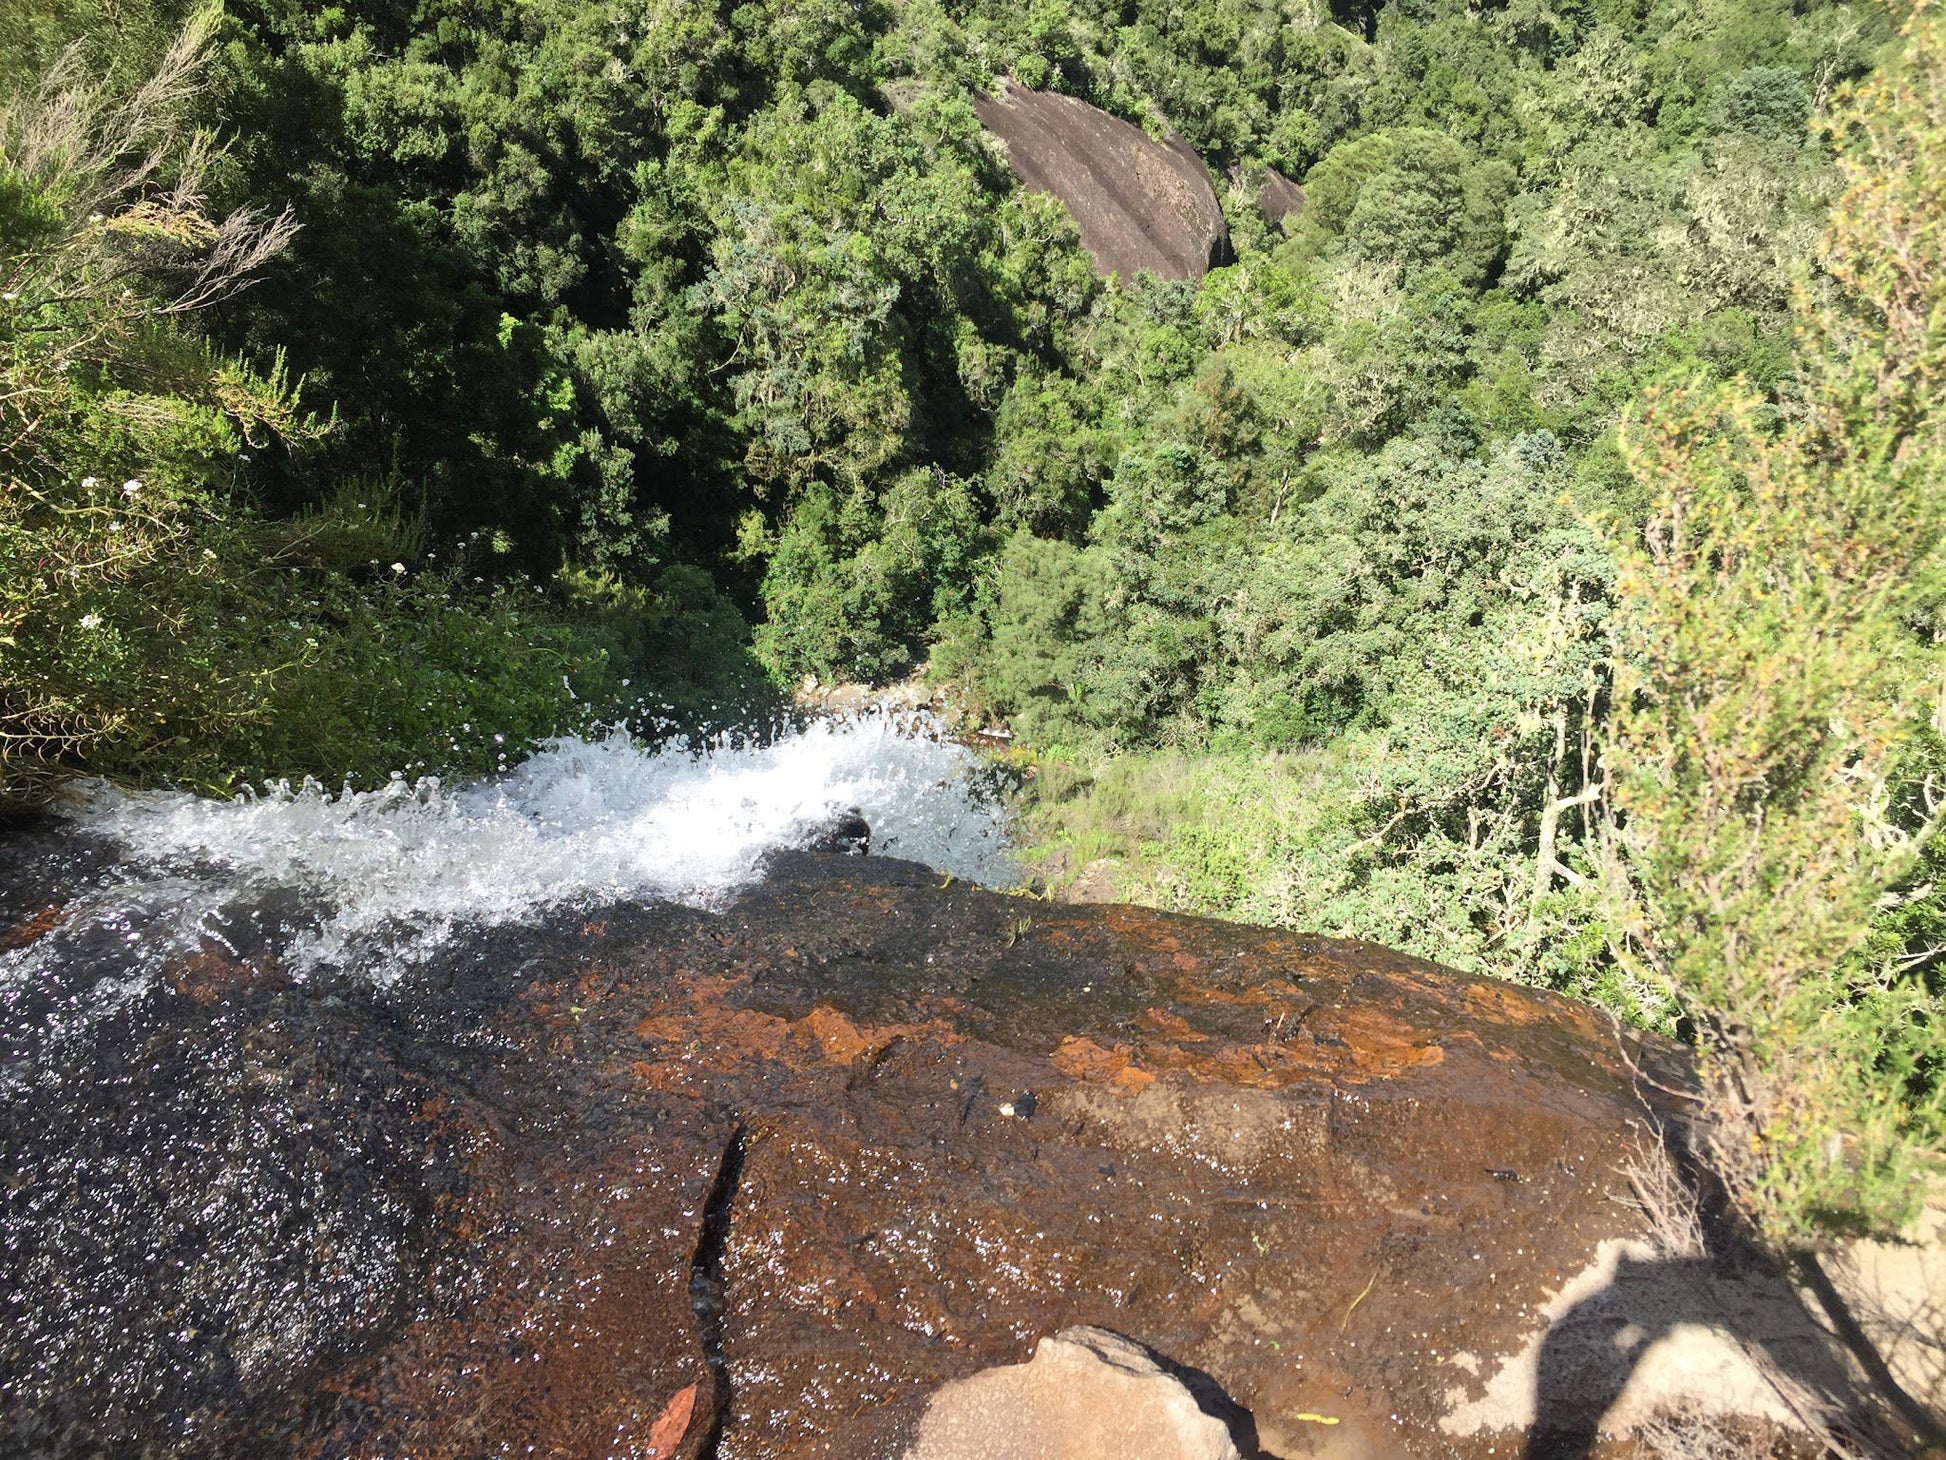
x,y
791,1179
1088,1394
845,834
1139,203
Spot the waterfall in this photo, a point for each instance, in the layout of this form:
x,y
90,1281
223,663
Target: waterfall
x,y
377,879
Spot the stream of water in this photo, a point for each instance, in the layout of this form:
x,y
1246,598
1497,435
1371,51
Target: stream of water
x,y
376,878
366,885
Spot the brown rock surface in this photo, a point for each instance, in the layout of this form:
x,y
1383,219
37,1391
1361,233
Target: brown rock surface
x,y
653,1182
1088,1394
1140,203
1278,197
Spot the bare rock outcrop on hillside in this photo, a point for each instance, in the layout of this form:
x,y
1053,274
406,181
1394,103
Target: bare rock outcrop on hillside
x,y
1140,203
1279,197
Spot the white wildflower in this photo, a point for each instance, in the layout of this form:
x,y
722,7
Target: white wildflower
x,y
131,487
398,567
88,484
90,620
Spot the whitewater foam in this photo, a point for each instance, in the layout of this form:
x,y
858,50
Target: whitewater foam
x,y
579,821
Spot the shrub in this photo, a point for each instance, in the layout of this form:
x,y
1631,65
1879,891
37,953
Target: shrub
x,y
1767,681
152,626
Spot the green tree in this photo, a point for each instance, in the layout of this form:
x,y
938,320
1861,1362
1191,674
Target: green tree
x,y
1767,678
154,624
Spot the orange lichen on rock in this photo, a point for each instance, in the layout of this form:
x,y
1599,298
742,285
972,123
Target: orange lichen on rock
x,y
209,974
840,1041
30,928
1380,1046
1305,1038
1080,1058
706,1029
1173,1026
1278,994
1511,1005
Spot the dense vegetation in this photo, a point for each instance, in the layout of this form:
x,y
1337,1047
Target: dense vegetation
x,y
161,616
1768,681
376,376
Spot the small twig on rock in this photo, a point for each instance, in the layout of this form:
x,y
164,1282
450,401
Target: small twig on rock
x,y
1361,1297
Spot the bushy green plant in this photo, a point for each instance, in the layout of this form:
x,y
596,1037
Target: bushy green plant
x,y
1766,681
116,427
154,626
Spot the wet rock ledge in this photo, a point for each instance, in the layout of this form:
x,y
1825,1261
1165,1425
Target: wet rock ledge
x,y
759,1184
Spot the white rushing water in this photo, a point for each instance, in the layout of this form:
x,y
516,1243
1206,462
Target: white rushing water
x,y
402,867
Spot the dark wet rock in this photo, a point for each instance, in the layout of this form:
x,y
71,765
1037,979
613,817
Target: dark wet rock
x,y
1088,1394
848,835
205,1220
652,1181
1140,203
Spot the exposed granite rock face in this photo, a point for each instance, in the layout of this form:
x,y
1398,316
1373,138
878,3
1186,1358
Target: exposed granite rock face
x,y
1278,197
663,1183
1088,1394
1140,203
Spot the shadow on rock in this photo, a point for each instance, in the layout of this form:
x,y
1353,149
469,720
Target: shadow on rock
x,y
1215,1401
1723,1312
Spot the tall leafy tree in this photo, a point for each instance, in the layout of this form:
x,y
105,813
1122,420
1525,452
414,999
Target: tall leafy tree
x,y
1768,676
